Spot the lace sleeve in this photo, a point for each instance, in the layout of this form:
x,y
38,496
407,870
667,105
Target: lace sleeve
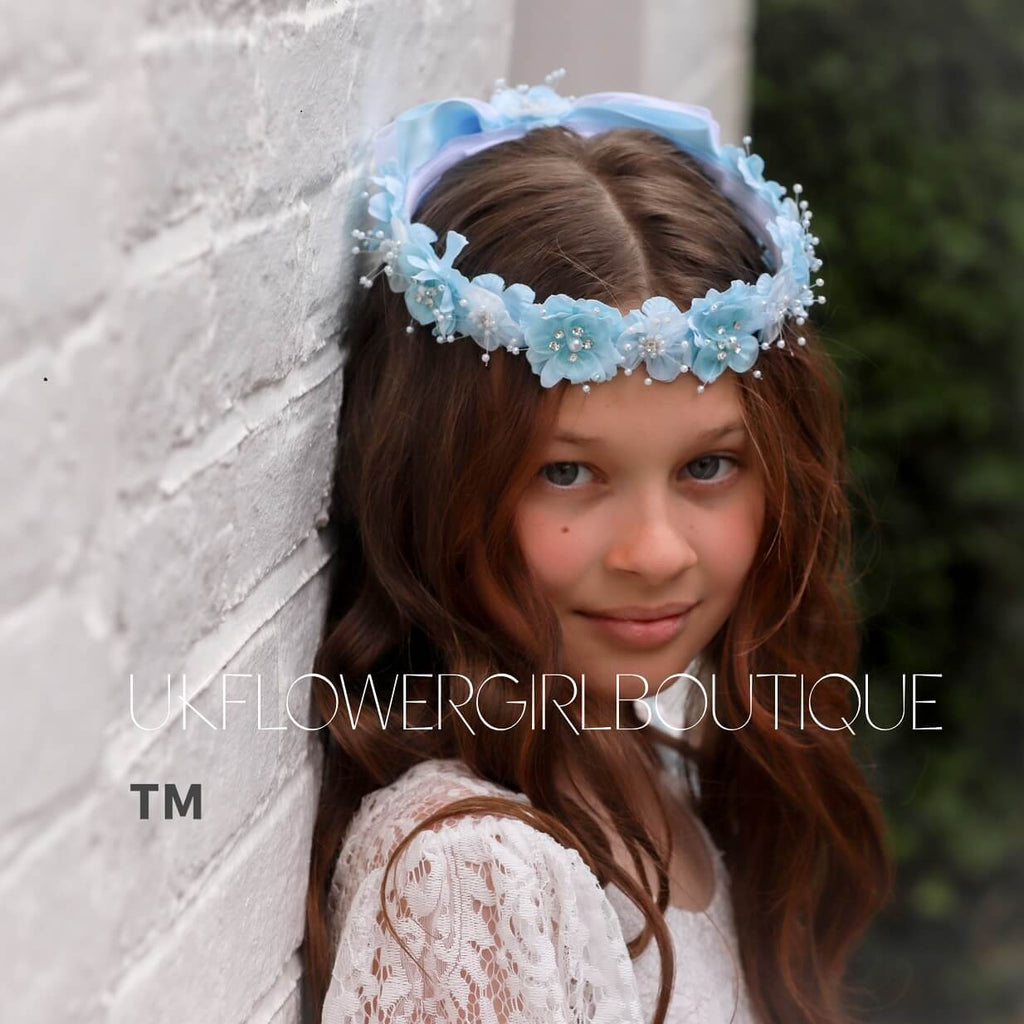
x,y
510,926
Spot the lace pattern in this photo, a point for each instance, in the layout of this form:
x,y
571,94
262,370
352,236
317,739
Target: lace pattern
x,y
510,926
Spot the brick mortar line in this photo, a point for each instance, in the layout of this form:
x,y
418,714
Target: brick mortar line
x,y
91,788
218,647
84,319
240,844
269,1003
239,423
155,40
85,97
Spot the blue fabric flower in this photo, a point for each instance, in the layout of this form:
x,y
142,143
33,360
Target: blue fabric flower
x,y
488,312
414,239
572,339
751,170
789,236
565,338
658,335
434,284
725,324
386,203
776,292
538,105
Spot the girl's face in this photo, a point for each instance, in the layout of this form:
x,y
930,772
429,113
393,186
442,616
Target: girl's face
x,y
645,496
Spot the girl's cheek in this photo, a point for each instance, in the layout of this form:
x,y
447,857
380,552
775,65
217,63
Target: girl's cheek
x,y
736,536
556,548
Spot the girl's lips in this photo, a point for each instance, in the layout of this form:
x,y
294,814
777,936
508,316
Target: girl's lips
x,y
641,633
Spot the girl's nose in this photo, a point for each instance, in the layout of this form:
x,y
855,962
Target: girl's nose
x,y
649,539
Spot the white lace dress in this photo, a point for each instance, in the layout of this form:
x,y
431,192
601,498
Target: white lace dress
x,y
510,926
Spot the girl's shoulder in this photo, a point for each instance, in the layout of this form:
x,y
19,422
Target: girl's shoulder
x,y
425,787
470,896
508,850
388,814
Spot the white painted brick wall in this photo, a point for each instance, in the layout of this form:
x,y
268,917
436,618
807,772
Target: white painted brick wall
x,y
176,179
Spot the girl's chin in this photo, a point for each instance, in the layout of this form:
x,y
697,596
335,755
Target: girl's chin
x,y
605,658
600,679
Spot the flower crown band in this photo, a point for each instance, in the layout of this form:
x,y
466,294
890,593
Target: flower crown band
x,y
585,341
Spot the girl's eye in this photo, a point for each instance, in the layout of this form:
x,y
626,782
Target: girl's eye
x,y
709,469
707,466
563,474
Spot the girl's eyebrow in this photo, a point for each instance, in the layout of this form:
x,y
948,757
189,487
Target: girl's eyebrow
x,y
704,437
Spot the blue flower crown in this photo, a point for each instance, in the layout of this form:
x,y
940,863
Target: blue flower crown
x,y
582,340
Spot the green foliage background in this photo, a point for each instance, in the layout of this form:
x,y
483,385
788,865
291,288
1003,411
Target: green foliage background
x,y
904,121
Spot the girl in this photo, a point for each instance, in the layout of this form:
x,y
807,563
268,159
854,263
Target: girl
x,y
652,505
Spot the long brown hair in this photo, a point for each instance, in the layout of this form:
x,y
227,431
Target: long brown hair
x,y
435,449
